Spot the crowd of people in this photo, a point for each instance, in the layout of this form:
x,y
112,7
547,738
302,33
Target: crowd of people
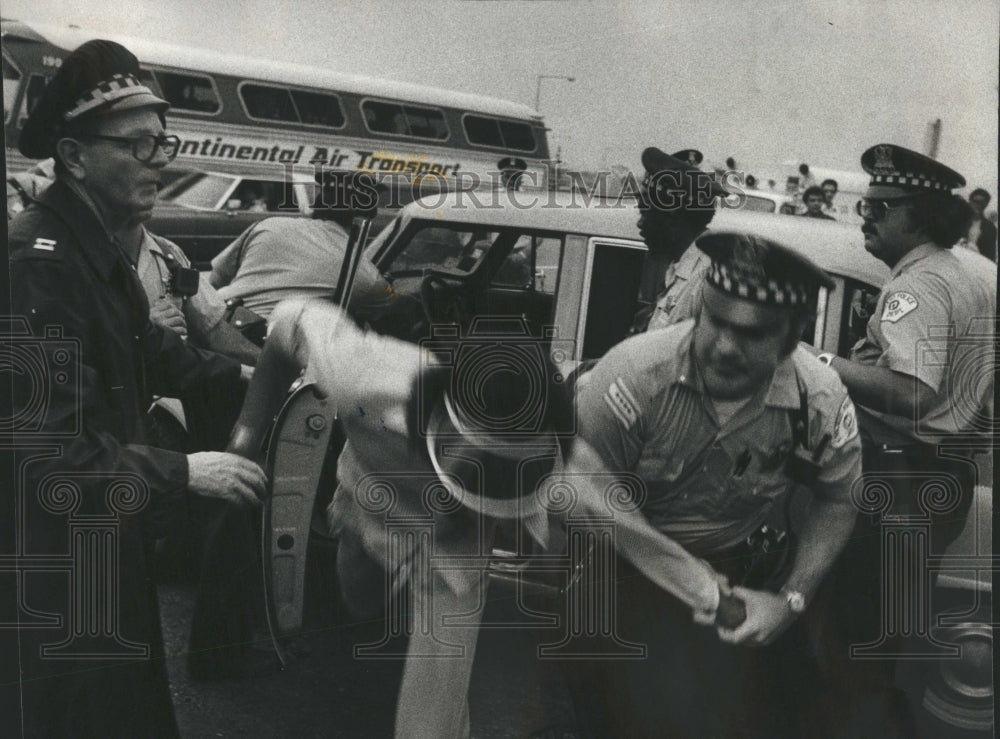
x,y
712,402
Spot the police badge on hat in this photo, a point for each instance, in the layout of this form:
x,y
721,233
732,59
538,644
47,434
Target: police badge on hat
x,y
896,170
692,156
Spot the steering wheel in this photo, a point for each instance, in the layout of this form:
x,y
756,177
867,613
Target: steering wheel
x,y
447,297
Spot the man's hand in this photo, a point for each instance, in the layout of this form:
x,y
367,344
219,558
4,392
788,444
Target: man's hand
x,y
166,314
226,476
768,615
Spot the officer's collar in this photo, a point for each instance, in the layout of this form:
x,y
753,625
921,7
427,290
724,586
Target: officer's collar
x,y
913,255
81,217
783,391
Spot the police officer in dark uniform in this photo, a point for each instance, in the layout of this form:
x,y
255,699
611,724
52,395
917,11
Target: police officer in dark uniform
x,y
70,280
676,204
922,381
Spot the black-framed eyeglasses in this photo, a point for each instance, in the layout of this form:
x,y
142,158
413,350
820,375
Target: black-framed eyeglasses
x,y
145,146
876,210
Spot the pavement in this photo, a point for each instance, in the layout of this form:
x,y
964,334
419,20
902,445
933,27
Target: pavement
x,y
326,691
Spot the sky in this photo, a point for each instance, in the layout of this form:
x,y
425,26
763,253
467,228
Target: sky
x,y
766,82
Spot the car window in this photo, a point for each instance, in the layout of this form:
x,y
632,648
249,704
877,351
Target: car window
x,y
450,247
762,205
532,265
611,300
205,191
859,304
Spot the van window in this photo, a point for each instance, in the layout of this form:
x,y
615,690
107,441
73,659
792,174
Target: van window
x,y
409,120
189,92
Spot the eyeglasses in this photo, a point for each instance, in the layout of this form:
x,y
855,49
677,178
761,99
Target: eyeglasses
x,y
876,210
145,146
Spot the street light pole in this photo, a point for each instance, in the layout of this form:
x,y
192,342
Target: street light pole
x,y
538,84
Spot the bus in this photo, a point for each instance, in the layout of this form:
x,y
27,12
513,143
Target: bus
x,y
243,116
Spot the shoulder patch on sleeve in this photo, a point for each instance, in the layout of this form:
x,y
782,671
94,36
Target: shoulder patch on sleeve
x,y
898,305
845,427
622,403
44,244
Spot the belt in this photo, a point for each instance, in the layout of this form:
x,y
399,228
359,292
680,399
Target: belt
x,y
759,561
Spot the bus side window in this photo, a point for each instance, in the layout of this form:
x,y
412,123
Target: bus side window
x,y
189,92
11,84
147,78
36,85
384,117
517,136
482,131
268,103
318,109
426,123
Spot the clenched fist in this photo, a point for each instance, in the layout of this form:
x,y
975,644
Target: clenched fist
x,y
227,476
164,313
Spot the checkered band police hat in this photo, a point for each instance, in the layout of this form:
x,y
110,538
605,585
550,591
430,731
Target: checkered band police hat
x,y
761,270
895,168
99,77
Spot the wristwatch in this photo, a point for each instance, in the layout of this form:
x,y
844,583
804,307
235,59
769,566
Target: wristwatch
x,y
795,600
826,358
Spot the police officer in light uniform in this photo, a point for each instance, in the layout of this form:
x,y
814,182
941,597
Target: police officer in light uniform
x,y
721,418
69,275
922,377
676,204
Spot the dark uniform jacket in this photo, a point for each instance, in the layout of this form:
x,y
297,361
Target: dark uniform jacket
x,y
92,360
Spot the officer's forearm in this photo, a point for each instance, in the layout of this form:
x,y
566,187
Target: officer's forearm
x,y
662,560
276,369
827,528
225,338
881,389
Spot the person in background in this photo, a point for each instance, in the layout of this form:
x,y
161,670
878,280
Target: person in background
x,y
982,234
70,277
815,201
676,203
830,189
286,257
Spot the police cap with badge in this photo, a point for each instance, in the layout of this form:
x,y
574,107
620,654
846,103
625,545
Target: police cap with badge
x,y
899,172
98,78
674,181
